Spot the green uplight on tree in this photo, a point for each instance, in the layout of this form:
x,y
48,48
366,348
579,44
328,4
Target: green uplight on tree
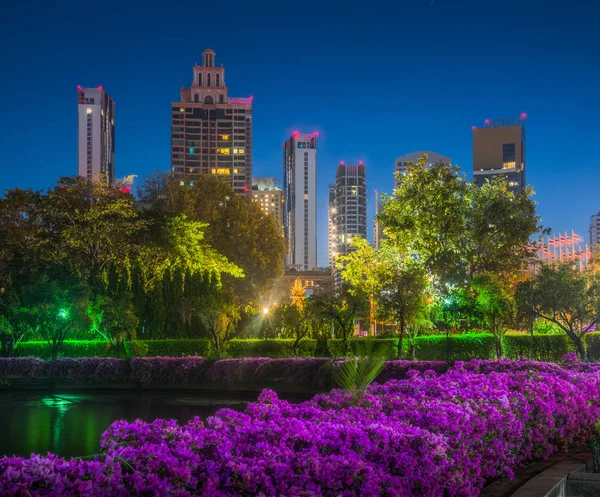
x,y
63,313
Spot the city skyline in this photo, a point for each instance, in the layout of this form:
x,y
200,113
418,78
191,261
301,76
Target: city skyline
x,y
555,87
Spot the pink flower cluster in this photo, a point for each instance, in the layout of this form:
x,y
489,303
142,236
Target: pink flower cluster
x,y
428,435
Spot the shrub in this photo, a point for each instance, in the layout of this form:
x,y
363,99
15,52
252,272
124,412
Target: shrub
x,y
388,347
169,348
460,347
547,348
272,347
69,348
23,367
159,371
592,342
89,370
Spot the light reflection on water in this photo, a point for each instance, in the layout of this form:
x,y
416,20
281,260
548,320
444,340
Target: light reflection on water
x,y
70,424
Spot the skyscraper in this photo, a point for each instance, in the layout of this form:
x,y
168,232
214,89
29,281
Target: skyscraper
x,y
499,150
267,193
96,122
211,133
331,227
595,232
377,226
300,200
401,163
351,204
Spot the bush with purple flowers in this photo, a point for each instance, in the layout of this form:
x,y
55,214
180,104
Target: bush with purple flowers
x,y
428,435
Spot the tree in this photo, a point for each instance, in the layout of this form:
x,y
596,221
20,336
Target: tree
x,y
235,227
54,308
114,319
456,229
342,309
495,306
403,294
294,321
219,315
566,297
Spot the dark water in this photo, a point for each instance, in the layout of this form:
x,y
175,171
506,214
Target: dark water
x,y
70,424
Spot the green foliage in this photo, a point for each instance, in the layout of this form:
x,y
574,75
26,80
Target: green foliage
x,y
169,348
278,347
355,374
70,348
547,348
386,347
592,341
459,347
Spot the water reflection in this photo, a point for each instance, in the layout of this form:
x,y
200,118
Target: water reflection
x,y
70,424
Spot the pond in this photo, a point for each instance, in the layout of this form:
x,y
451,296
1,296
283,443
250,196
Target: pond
x,y
70,423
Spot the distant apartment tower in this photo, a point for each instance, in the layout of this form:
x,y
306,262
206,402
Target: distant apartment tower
x,y
401,163
267,193
499,150
595,232
350,204
300,200
331,227
96,145
377,226
211,133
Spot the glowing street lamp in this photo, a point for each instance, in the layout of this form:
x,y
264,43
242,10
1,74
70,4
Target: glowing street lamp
x,y
265,310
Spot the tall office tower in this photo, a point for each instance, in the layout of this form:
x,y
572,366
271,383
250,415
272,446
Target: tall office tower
x,y
402,162
267,193
211,133
595,232
499,150
331,228
96,145
377,226
351,204
300,200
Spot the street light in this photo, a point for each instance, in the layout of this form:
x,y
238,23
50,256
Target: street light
x,y
265,310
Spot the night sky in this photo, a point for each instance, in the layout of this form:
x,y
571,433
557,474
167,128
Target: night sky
x,y
376,79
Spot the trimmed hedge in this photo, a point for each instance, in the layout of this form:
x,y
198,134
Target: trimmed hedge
x,y
69,348
169,348
274,348
460,347
546,348
359,346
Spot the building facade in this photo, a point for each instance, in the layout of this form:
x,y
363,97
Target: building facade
x,y
350,205
331,227
499,150
402,162
300,200
96,126
267,193
377,226
211,133
595,232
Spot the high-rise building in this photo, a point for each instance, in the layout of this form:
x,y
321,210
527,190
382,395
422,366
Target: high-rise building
x,y
401,163
595,232
211,133
350,204
331,228
499,150
267,193
300,200
377,226
96,145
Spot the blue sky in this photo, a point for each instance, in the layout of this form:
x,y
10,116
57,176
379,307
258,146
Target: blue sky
x,y
376,79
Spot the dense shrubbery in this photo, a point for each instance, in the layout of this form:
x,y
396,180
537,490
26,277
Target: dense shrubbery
x,y
169,348
69,348
388,347
459,347
274,348
160,371
413,437
549,348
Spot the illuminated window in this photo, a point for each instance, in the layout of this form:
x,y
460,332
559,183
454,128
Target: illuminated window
x,y
235,171
240,150
224,137
223,171
181,109
224,151
509,165
89,110
191,150
256,195
306,196
213,171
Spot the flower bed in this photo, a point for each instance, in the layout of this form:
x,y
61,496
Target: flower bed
x,y
428,435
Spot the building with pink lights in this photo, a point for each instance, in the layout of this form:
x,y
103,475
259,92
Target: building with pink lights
x,y
211,132
300,200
